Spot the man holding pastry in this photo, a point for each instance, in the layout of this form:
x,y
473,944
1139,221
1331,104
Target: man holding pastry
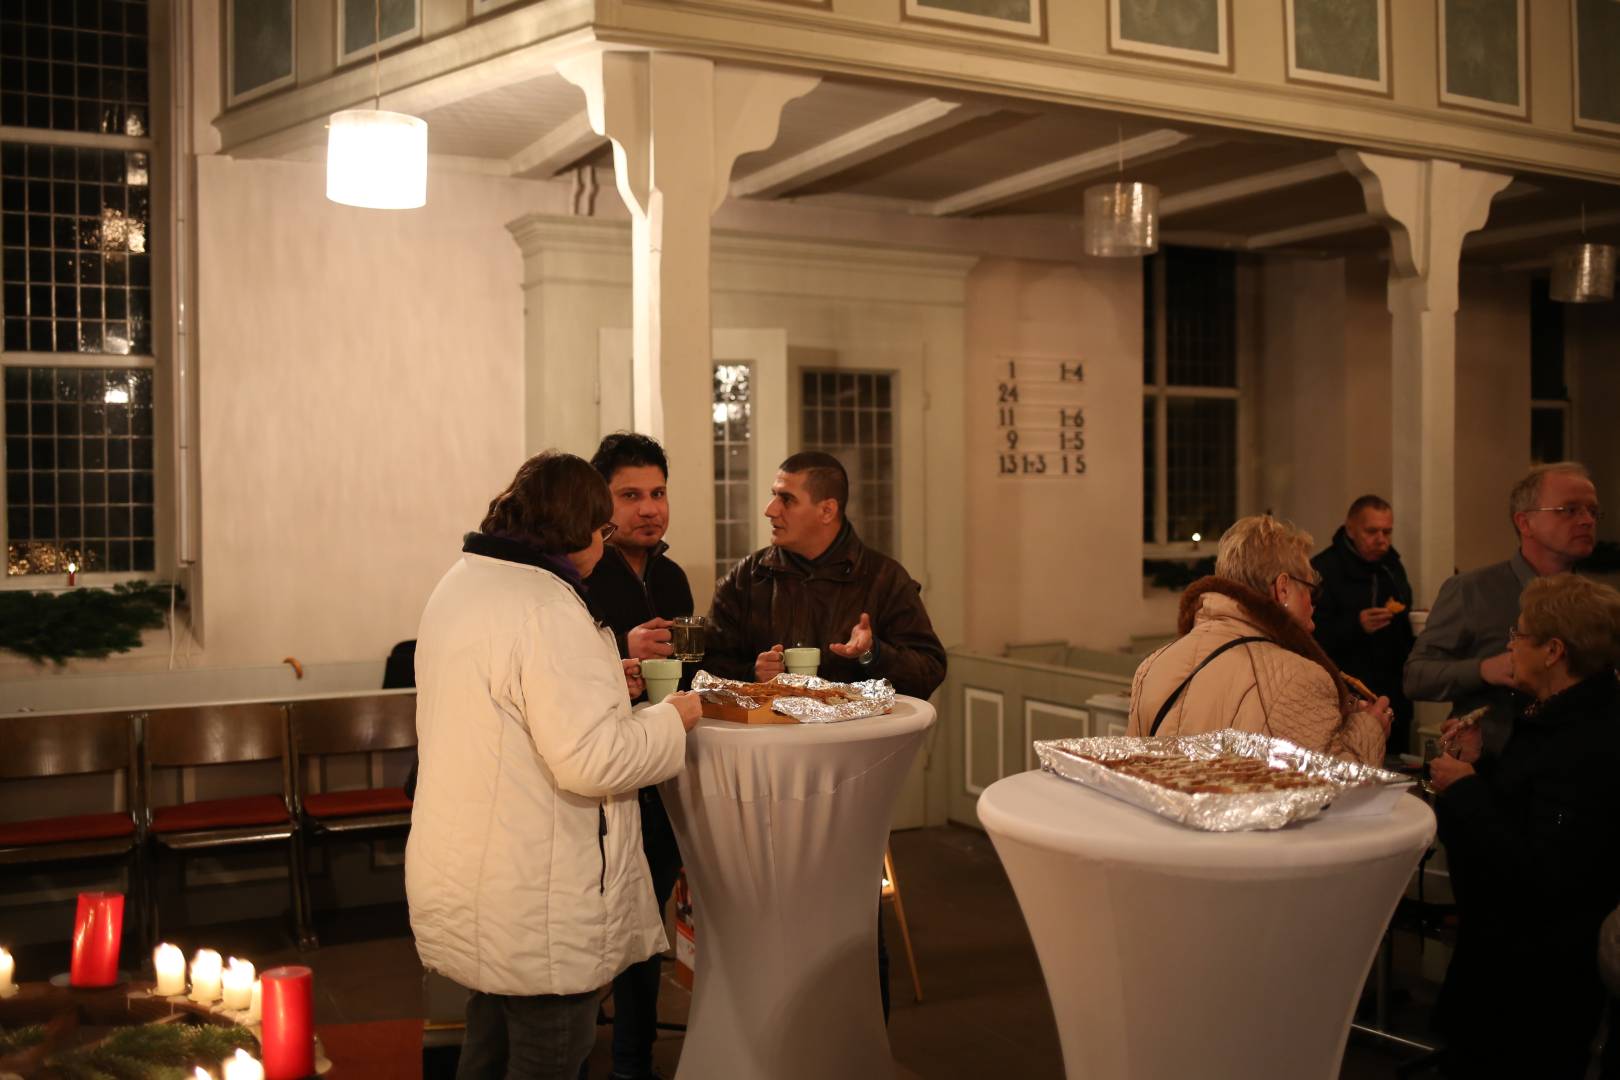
x,y
1361,616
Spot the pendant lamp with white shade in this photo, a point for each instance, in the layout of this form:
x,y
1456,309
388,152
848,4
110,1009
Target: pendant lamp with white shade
x,y
375,158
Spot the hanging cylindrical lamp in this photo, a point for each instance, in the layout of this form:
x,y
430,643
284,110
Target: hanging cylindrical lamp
x,y
1582,273
374,158
1122,219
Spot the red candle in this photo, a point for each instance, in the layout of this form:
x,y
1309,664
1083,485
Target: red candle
x,y
98,930
288,1037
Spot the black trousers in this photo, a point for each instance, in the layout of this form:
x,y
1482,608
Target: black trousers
x,y
543,1037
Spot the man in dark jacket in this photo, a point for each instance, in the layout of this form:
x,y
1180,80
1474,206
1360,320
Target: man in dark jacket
x,y
818,585
636,590
1361,616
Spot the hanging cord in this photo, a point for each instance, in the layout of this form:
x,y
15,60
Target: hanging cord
x,y
377,46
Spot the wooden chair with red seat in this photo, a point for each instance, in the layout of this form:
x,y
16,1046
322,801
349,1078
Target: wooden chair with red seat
x,y
209,735
368,724
74,744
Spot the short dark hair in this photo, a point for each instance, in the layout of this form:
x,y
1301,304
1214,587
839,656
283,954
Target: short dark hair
x,y
628,450
825,477
1366,502
554,503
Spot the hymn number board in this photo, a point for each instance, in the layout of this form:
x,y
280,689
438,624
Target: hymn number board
x,y
1041,420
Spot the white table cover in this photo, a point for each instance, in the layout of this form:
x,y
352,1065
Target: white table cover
x,y
1172,952
782,830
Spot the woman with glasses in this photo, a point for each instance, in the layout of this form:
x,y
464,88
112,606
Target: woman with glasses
x,y
524,869
1532,838
1246,659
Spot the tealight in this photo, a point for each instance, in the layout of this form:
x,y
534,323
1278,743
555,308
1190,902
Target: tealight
x,y
205,976
242,1066
170,964
8,968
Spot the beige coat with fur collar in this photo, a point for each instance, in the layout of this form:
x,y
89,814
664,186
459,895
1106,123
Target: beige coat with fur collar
x,y
1258,687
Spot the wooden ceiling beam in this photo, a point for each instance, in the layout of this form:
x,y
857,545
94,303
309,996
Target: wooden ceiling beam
x,y
883,135
1104,160
557,149
1247,187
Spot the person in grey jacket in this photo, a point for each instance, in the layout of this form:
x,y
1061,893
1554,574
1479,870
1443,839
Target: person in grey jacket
x,y
1461,657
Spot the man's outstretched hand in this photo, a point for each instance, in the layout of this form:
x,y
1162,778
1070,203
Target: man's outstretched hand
x,y
860,640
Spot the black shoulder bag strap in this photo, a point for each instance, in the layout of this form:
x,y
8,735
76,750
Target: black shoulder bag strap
x,y
1170,701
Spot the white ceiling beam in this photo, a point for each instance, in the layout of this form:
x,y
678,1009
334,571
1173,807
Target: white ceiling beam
x,y
1057,174
1246,187
881,136
1535,230
557,149
1311,230
1315,230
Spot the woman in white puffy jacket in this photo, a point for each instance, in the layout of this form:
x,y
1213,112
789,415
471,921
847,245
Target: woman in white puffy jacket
x,y
524,869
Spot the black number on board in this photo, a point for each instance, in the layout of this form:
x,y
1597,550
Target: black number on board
x,y
1007,417
1007,393
1071,374
1075,418
1012,440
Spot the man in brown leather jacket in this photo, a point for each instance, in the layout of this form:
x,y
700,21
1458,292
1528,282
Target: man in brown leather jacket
x,y
818,585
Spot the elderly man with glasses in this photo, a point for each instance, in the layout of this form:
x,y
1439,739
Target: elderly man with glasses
x,y
1462,655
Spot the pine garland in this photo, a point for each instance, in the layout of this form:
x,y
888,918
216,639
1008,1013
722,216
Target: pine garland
x,y
160,1051
21,1038
80,622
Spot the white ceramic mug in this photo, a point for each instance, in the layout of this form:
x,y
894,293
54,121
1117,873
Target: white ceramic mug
x,y
662,678
802,660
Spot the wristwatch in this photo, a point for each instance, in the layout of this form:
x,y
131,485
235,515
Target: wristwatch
x,y
869,657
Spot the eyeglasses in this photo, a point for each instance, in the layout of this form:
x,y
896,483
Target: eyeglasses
x,y
1514,634
1312,587
608,530
1570,513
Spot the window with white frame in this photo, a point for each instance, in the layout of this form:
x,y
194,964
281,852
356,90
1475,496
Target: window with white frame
x,y
850,415
1191,397
76,290
734,499
1550,435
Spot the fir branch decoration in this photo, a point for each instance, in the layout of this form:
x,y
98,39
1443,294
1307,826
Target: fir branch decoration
x,y
81,622
160,1051
21,1038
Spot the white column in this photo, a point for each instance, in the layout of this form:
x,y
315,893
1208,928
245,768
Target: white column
x,y
1429,207
678,123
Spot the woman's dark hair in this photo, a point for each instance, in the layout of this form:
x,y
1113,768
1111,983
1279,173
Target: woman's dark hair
x,y
554,503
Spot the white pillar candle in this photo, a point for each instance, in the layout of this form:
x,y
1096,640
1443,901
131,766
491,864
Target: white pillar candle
x,y
205,973
237,984
243,1066
170,964
8,967
256,1003
200,1073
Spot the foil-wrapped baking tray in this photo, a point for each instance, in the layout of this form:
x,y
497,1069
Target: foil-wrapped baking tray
x,y
876,697
1347,787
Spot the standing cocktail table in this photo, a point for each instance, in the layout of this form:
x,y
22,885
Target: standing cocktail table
x,y
782,829
1172,952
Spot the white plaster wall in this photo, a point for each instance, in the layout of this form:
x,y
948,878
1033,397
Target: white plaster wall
x,y
361,400
1056,559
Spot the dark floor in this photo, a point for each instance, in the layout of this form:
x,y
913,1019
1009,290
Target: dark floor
x,y
986,1012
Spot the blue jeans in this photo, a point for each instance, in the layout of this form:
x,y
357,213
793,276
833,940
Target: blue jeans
x,y
635,991
543,1037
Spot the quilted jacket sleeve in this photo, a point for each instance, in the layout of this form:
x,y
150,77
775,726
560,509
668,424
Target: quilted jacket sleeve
x,y
1302,706
578,710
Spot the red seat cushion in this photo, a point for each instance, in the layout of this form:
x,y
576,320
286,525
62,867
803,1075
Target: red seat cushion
x,y
60,830
389,800
220,814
